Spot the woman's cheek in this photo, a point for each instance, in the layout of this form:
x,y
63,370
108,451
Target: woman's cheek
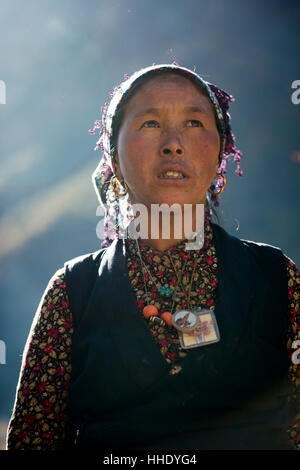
x,y
132,165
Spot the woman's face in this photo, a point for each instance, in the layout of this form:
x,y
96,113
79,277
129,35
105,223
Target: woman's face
x,y
168,143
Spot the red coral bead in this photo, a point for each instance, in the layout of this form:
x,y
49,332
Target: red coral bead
x,y
150,310
167,317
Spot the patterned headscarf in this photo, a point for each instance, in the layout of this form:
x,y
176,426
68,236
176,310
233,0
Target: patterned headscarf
x,y
117,210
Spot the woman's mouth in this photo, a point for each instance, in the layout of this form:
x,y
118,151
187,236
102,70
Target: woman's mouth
x,y
172,175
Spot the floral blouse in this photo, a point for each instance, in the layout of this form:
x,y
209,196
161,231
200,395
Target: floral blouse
x,y
39,415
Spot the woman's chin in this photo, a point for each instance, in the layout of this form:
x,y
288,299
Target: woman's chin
x,y
178,197
168,196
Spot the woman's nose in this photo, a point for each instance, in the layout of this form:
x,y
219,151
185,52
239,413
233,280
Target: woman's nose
x,y
172,147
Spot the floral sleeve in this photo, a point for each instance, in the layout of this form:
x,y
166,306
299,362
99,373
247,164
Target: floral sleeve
x,y
38,418
294,335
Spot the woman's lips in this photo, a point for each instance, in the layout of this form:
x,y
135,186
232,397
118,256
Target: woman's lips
x,y
172,174
167,179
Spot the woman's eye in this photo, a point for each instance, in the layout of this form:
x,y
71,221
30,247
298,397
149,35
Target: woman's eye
x,y
150,124
194,123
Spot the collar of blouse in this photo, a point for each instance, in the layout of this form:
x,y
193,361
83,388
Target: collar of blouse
x,y
199,276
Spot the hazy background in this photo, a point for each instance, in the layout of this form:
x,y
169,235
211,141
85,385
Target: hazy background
x,y
59,61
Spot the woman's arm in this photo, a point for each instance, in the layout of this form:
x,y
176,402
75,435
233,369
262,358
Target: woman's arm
x,y
38,419
294,335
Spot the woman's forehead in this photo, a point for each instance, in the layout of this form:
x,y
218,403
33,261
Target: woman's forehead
x,y
168,89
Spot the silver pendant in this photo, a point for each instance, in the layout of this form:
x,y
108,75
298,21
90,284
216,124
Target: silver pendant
x,y
185,321
196,327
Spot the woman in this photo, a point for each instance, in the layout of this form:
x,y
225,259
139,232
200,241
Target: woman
x,y
147,343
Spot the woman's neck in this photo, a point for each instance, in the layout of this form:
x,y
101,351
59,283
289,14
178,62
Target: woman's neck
x,y
162,229
193,239
161,244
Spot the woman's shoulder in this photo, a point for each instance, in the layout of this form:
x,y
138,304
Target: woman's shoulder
x,y
250,245
265,254
271,250
86,258
78,266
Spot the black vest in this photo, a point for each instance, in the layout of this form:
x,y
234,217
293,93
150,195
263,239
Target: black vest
x,y
229,395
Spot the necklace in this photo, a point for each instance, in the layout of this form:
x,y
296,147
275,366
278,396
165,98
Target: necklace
x,y
150,310
179,281
195,327
163,291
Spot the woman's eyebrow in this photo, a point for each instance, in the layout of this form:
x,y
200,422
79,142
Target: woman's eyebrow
x,y
143,112
195,109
